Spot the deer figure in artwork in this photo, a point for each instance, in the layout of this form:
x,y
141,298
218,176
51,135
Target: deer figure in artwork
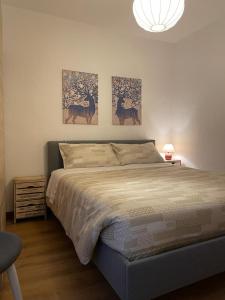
x,y
126,113
87,112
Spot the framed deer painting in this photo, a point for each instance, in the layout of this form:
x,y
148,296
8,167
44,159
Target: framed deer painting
x,y
126,101
80,98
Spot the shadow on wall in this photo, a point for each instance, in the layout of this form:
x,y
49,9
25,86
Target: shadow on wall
x,y
45,158
198,131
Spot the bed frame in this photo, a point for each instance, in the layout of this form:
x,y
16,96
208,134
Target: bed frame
x,y
153,276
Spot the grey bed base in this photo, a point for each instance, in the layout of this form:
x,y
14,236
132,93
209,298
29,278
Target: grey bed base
x,y
151,277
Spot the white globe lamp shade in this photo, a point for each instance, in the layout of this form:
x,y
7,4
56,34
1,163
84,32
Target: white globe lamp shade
x,y
158,15
168,148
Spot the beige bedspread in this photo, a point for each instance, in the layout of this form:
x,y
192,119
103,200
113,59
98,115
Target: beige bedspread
x,y
138,210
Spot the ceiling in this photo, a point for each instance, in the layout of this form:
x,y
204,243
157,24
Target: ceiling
x,y
116,15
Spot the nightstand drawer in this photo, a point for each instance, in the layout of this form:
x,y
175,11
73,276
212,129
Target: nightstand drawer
x,y
26,185
29,190
27,203
34,196
30,208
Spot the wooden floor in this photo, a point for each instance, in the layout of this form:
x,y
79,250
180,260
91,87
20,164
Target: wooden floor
x,y
49,269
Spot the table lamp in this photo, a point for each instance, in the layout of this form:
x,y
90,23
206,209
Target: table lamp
x,y
168,149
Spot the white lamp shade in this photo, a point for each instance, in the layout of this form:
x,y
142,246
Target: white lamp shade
x,y
168,148
158,15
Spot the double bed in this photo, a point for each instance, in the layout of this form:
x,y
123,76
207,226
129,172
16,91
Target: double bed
x,y
149,228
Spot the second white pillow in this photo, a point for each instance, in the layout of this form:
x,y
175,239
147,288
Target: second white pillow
x,y
137,153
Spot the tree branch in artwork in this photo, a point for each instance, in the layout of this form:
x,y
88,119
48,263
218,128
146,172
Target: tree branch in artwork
x,y
126,99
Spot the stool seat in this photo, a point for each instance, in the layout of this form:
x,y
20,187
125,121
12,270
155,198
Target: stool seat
x,y
10,248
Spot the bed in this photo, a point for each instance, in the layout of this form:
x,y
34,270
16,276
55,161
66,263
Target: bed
x,y
148,275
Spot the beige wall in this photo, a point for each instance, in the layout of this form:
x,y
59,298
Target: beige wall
x,y
199,98
36,49
2,162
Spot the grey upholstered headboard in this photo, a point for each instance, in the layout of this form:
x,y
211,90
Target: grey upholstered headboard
x,y
54,157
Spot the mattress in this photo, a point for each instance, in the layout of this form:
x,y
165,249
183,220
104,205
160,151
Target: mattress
x,y
138,210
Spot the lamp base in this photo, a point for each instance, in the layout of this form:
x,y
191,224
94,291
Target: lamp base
x,y
168,156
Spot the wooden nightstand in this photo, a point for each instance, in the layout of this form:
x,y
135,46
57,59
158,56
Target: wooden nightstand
x,y
174,161
29,197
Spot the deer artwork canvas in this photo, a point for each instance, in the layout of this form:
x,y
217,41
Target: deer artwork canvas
x,y
126,101
80,98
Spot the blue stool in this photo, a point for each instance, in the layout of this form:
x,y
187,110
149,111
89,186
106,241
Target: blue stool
x,y
10,248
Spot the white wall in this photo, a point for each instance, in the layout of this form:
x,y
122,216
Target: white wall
x,y
36,49
199,98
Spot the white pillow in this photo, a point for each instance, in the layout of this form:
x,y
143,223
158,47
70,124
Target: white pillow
x,y
87,155
137,153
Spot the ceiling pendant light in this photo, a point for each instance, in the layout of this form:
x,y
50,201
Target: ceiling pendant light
x,y
158,15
